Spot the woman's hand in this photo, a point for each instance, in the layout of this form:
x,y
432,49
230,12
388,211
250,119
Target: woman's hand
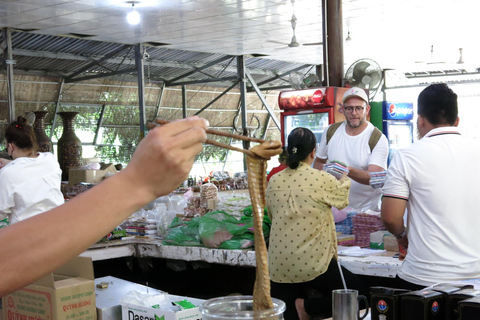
x,y
344,176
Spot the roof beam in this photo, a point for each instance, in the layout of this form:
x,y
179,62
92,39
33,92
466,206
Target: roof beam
x,y
121,60
278,76
97,62
103,75
262,98
170,84
208,65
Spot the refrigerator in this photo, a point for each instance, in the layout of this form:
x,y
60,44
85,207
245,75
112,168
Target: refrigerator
x,y
314,108
397,125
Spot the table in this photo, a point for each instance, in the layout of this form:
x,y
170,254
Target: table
x,y
379,265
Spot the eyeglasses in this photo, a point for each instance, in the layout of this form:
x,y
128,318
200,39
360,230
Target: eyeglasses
x,y
357,109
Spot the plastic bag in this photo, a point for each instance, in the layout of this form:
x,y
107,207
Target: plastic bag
x,y
220,230
216,229
183,233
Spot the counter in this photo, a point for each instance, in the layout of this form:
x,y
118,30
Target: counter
x,y
379,265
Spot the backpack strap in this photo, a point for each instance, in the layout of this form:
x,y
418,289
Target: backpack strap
x,y
374,137
372,142
331,130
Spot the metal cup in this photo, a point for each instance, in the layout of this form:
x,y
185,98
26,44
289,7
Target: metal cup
x,y
345,305
241,308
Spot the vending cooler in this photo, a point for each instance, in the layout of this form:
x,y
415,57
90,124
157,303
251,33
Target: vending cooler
x,y
397,125
314,109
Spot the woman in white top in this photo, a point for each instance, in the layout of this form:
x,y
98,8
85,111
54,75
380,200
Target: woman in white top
x,y
30,182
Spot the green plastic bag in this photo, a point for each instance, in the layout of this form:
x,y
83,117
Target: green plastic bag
x,y
220,230
183,233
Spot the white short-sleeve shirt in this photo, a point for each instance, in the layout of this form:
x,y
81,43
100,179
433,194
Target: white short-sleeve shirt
x,y
355,152
438,177
29,186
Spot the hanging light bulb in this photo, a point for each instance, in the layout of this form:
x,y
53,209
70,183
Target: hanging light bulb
x,y
133,17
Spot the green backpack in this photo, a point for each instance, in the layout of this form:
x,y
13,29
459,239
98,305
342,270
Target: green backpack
x,y
372,142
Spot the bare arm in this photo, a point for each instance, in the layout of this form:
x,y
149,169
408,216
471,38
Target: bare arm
x,y
162,160
318,163
363,176
392,213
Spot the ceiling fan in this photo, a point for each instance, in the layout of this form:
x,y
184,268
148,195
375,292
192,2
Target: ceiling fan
x,y
294,43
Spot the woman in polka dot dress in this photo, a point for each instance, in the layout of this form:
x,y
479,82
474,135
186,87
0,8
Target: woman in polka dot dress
x,y
303,242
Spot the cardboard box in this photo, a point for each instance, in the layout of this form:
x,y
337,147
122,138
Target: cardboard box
x,y
134,312
110,290
390,243
75,176
67,293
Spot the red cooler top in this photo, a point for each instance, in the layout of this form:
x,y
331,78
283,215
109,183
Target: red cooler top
x,y
307,98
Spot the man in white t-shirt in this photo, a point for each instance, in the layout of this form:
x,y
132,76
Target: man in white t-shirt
x,y
436,179
350,145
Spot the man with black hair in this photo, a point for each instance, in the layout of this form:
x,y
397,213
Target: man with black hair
x,y
434,180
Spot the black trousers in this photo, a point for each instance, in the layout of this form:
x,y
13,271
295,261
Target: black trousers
x,y
317,292
403,284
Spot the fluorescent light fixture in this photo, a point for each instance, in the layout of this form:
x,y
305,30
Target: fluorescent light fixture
x,y
133,17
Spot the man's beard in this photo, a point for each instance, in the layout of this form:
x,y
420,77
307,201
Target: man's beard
x,y
360,122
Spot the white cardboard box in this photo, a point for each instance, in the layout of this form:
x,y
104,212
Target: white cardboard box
x,y
109,307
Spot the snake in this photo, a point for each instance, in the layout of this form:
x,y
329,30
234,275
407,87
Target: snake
x,y
257,183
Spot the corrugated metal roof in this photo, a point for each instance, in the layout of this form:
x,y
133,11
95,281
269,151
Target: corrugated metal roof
x,y
64,56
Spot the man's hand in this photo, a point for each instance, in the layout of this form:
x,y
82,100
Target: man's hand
x,y
318,163
166,155
363,176
403,247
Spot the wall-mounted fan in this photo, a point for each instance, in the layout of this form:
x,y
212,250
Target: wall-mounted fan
x,y
366,74
299,81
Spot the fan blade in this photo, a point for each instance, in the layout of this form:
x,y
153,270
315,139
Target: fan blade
x,y
313,44
376,77
359,69
278,42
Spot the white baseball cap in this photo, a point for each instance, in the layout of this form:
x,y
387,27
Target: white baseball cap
x,y
355,92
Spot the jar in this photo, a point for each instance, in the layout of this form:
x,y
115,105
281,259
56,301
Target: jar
x,y
240,308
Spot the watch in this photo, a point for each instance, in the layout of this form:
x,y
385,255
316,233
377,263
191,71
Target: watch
x,y
402,234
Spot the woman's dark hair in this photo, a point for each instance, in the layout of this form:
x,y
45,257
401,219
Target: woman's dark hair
x,y
438,104
21,134
301,142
